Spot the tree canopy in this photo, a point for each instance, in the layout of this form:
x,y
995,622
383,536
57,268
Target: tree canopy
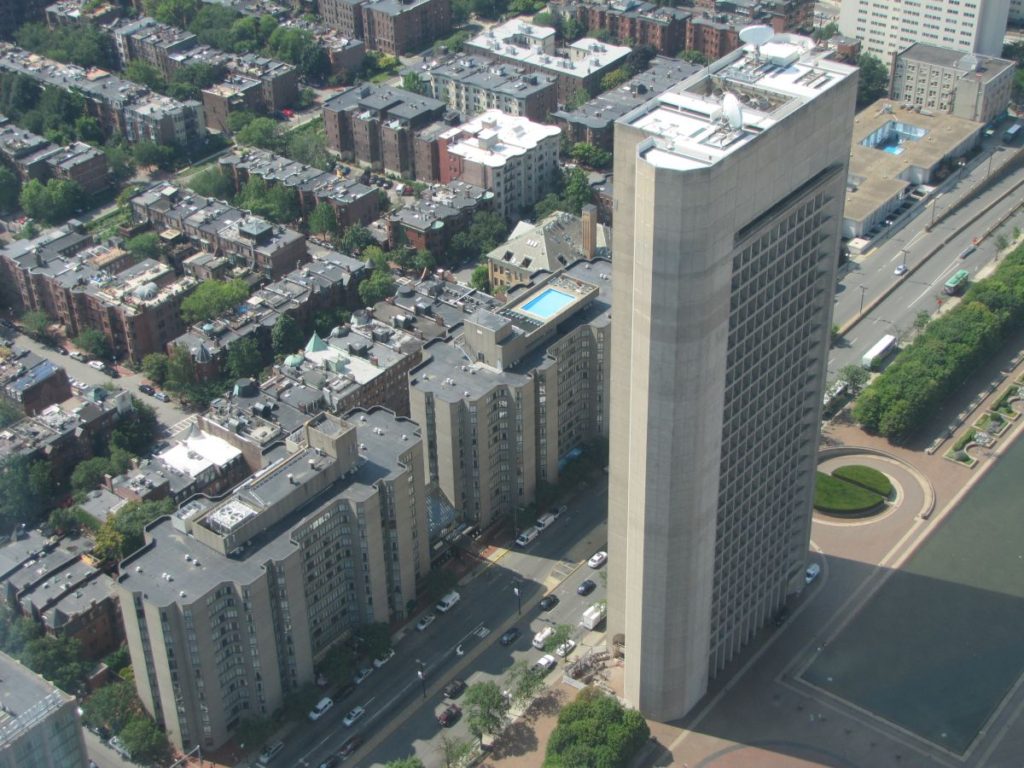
x,y
82,44
127,523
596,730
486,708
54,202
873,82
286,336
94,343
211,298
377,287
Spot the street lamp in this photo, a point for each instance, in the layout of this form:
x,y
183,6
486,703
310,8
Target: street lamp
x,y
863,290
519,596
422,675
903,253
935,204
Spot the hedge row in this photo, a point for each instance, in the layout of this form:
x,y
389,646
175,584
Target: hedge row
x,y
866,477
935,365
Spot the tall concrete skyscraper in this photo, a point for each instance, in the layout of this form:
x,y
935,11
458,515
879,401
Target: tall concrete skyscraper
x,y
728,206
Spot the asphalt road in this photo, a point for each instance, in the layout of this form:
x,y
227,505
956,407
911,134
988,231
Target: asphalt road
x,y
920,289
487,608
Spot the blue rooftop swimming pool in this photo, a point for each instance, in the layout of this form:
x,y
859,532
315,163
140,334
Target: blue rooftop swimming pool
x,y
547,303
893,150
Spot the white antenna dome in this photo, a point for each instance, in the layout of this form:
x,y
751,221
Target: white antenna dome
x,y
757,34
733,111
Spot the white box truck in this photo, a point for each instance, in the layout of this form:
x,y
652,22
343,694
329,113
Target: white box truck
x,y
594,615
875,355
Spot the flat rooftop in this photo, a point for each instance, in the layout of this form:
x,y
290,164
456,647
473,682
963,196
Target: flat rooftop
x,y
580,59
26,698
493,137
723,107
984,68
880,172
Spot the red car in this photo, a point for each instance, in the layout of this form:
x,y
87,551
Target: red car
x,y
448,716
288,113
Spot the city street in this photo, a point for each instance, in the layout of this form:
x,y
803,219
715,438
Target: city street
x,y
921,288
555,560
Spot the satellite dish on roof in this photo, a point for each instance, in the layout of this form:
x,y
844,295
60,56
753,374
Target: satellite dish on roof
x,y
733,111
757,35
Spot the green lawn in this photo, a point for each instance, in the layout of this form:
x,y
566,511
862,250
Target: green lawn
x,y
834,495
865,477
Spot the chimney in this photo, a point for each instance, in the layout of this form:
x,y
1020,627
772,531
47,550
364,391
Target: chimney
x,y
589,231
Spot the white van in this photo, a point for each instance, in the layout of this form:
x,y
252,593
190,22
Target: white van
x,y
545,521
321,708
542,637
448,602
811,573
526,537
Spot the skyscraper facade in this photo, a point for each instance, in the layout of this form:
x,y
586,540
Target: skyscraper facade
x,y
729,195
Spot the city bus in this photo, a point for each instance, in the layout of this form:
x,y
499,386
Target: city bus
x,y
957,282
1012,132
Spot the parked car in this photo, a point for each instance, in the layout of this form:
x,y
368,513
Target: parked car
x,y
454,689
146,389
542,637
118,746
548,602
901,269
510,636
163,397
448,716
332,761
353,716
598,559
546,662
384,658
588,586
426,620
269,753
76,355
811,573
352,743
565,648
362,674
322,708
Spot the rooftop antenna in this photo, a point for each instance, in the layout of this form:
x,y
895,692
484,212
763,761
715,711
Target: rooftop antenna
x,y
757,35
733,111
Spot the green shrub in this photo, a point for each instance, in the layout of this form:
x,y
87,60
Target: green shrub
x,y
967,437
865,477
842,498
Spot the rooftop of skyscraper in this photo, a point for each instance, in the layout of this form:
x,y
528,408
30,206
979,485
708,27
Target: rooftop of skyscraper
x,y
726,105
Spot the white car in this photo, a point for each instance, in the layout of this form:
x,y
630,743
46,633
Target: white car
x,y
362,674
565,648
322,708
378,663
901,269
353,716
546,662
598,559
425,621
811,573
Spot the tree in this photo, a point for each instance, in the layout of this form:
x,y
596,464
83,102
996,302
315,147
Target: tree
x,y
145,73
411,81
523,681
108,544
376,256
177,13
322,220
694,57
309,146
486,708
88,474
277,203
154,365
591,156
181,370
94,343
20,501
113,706
375,639
146,742
212,183
136,431
212,25
355,238
36,323
561,634
454,752
339,665
9,413
406,762
88,129
377,287
58,660
439,582
9,190
260,132
211,298
286,336
596,730
873,83
122,532
35,200
149,154
245,360
921,320
71,520
480,279
614,79
855,376
577,190
144,246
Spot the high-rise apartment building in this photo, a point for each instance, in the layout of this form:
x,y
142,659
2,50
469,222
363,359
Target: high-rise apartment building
x,y
728,195
885,27
39,725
